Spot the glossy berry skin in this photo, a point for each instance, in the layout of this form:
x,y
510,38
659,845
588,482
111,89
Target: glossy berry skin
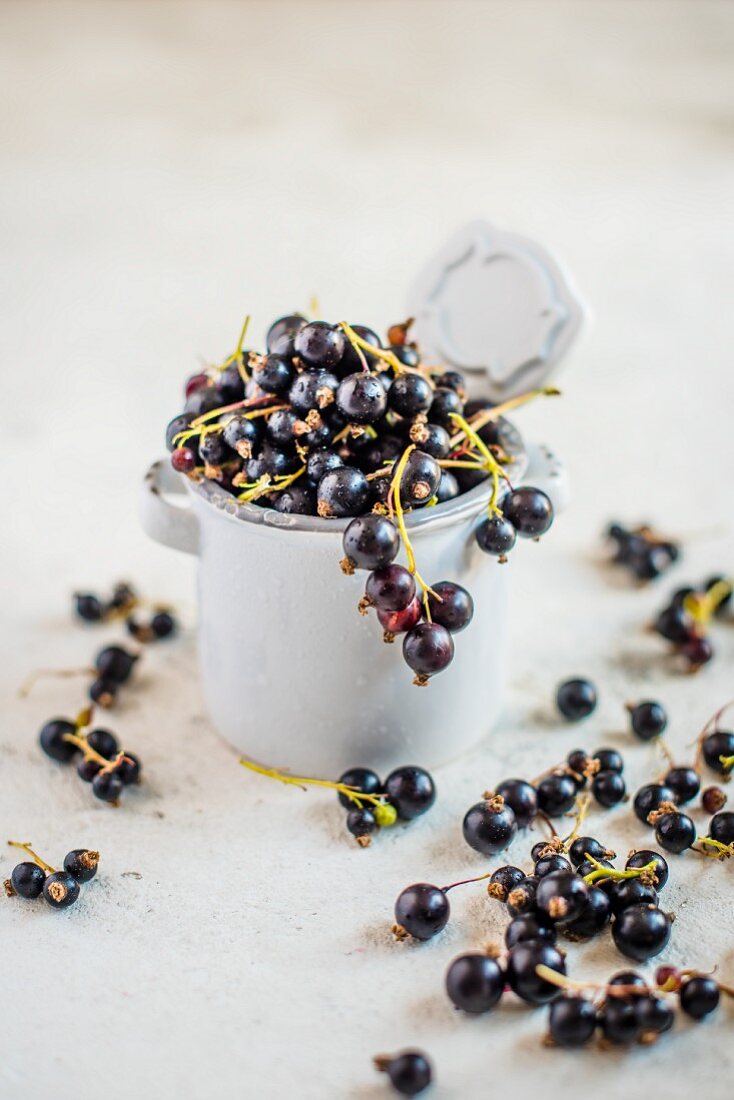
x,y
320,461
420,479
609,760
391,588
410,394
363,779
212,448
319,344
371,542
312,390
184,460
60,889
496,535
129,769
562,896
103,692
714,747
282,333
721,827
400,622
674,624
428,649
529,511
546,865
274,374
556,794
422,910
521,971
631,891
27,880
107,786
619,1022
521,899
361,398
572,1021
522,799
103,742
503,880
645,856
81,864
178,424
229,383
87,769
697,651
448,487
631,980
641,931
685,784
453,380
529,927
115,663
592,918
648,720
576,699
474,983
654,1015
454,607
163,624
489,830
608,788
409,1073
675,832
411,791
585,846
361,823
52,741
242,434
651,797
446,402
435,441
342,492
88,607
699,996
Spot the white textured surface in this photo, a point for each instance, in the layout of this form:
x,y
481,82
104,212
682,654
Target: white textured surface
x,y
167,167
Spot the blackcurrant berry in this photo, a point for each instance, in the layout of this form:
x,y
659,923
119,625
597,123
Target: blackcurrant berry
x,y
554,861
713,799
184,460
454,380
27,880
634,983
411,791
522,798
697,651
319,462
448,487
103,692
53,743
592,918
410,1072
562,896
654,1016
81,864
428,649
578,761
642,858
274,374
87,769
585,846
556,794
410,394
619,1022
451,606
529,927
650,798
342,492
522,976
641,931
319,344
422,910
229,383
716,745
474,983
406,354
572,1021
609,760
103,742
107,786
282,333
364,780
648,720
496,535
608,788
721,827
420,479
446,403
489,826
212,448
529,511
115,663
202,400
675,832
88,607
391,588
576,699
699,996
521,899
175,427
503,880
60,889
128,769
371,541
361,398
400,622
631,891
685,784
674,624
361,823
433,440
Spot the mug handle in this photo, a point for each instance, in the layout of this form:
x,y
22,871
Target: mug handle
x,y
173,525
548,472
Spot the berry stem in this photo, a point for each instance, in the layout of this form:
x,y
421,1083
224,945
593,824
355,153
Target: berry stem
x,y
399,515
352,793
26,847
579,815
701,606
552,976
490,463
721,851
359,344
467,881
613,875
265,485
42,673
483,418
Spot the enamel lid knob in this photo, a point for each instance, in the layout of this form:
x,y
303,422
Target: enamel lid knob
x,y
496,304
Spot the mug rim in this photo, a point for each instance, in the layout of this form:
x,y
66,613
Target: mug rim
x,y
450,511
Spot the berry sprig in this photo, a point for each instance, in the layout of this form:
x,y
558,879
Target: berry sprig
x,y
59,888
112,668
407,793
92,609
108,768
685,620
644,552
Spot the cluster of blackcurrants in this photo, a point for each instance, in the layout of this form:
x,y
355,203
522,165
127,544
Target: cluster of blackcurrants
x,y
100,761
92,609
329,422
685,618
34,877
113,667
407,793
642,551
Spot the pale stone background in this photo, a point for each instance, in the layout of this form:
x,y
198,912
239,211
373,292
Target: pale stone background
x,y
167,167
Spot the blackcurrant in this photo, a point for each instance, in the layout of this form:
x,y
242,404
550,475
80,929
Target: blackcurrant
x,y
522,976
654,1016
420,479
103,742
128,769
721,827
642,858
619,1022
522,798
521,899
713,799
489,826
454,380
529,511
675,832
107,786
503,880
371,541
319,344
571,1021
27,880
274,374
648,720
433,440
391,588
212,448
696,651
674,624
592,918
576,699
410,394
88,607
319,462
179,424
400,622
474,983
699,996
428,649
585,846
608,788
364,780
87,769
282,332
641,931
361,398
446,403
115,663
554,861
562,896
651,797
410,1072
609,760
163,624
448,487
631,891
716,745
361,823
496,535
685,784
556,794
528,927
342,492
53,743
411,791
81,864
60,889
422,910
451,606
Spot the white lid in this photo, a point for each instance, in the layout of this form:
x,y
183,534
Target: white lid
x,y
495,303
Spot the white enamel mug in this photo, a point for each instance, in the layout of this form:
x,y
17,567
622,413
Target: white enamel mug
x,y
292,674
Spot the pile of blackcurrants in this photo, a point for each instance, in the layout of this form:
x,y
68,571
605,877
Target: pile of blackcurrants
x,y
329,422
100,761
34,877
